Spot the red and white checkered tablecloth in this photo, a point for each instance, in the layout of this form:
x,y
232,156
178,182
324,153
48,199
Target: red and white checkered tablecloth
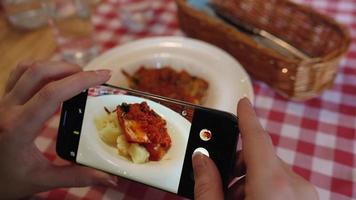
x,y
316,137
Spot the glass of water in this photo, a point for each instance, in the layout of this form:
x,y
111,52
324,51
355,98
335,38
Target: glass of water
x,y
73,30
136,14
25,14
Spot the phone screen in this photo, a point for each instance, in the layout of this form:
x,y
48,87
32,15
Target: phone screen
x,y
145,138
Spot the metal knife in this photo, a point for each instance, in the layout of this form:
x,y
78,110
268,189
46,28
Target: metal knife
x,y
266,38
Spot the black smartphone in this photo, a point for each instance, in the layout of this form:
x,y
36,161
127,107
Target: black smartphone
x,y
145,138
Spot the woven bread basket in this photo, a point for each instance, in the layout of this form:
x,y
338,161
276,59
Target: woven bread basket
x,y
320,37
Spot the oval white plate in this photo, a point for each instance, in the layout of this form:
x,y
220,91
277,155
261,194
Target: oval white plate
x,y
92,151
228,81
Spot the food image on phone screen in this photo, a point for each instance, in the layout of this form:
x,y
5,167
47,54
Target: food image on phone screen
x,y
134,137
141,138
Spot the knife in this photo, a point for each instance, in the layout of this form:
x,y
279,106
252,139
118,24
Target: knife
x,y
266,38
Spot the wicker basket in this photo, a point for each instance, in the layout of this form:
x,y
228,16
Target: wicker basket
x,y
319,36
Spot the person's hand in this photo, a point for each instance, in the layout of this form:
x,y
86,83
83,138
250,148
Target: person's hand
x,y
33,93
267,176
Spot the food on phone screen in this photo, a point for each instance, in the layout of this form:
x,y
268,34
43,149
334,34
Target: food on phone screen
x,y
137,132
167,82
108,128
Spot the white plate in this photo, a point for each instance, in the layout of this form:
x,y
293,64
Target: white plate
x,y
228,81
164,174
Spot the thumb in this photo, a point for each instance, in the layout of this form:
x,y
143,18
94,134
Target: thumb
x,y
75,176
207,178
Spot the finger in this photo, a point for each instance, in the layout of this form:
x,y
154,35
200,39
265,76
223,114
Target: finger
x,y
207,178
237,190
16,74
240,167
285,166
47,100
74,176
38,75
256,144
288,169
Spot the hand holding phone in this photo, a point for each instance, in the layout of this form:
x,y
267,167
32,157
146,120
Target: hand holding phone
x,y
145,138
267,176
33,93
41,97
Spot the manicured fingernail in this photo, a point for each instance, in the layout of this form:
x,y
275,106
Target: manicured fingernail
x,y
103,72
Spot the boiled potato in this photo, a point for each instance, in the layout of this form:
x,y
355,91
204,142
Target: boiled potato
x,y
108,128
122,146
138,153
101,122
113,119
110,132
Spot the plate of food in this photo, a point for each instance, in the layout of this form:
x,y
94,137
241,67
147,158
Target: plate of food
x,y
180,68
135,138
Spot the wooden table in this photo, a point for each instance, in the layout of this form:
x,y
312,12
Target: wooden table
x,y
19,45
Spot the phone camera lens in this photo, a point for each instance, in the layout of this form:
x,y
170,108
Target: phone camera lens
x,y
205,134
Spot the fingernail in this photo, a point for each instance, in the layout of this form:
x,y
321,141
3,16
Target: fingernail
x,y
247,100
103,72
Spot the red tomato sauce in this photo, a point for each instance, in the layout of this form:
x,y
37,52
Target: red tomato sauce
x,y
153,125
169,83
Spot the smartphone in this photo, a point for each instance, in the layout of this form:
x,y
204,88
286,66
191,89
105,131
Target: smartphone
x,y
145,138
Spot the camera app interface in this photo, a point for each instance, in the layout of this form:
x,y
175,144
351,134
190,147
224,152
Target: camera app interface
x,y
135,137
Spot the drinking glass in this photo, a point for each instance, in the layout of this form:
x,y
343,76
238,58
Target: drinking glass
x,y
25,14
136,14
73,30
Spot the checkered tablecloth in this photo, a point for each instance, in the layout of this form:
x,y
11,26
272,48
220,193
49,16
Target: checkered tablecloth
x,y
316,137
